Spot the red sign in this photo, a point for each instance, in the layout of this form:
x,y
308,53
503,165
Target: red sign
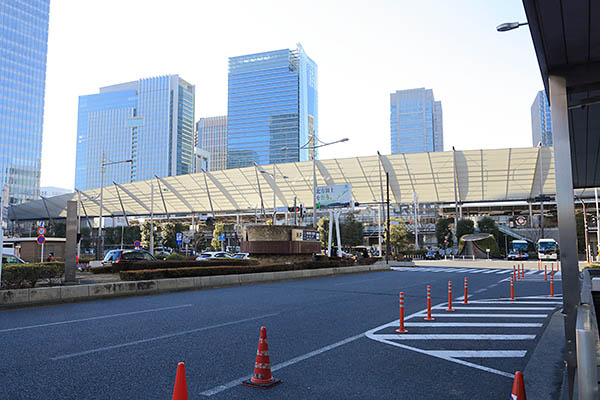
x,y
41,231
41,239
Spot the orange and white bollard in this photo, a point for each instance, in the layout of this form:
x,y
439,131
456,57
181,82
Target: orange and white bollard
x,y
450,297
512,289
465,301
514,273
401,328
552,284
545,272
523,270
552,273
429,317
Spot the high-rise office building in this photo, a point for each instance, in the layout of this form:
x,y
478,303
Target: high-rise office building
x,y
211,136
272,107
541,120
149,121
416,122
23,48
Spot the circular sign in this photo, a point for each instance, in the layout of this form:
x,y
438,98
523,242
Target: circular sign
x,y
137,243
41,231
521,220
41,239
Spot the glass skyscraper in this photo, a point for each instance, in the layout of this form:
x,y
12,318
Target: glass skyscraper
x,y
149,121
23,48
541,120
416,122
272,104
211,136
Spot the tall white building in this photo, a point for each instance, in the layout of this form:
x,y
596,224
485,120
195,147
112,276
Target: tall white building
x,y
541,120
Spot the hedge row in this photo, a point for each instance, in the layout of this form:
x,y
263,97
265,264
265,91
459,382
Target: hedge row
x,y
136,275
27,275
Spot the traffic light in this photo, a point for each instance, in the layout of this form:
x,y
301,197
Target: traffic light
x,y
302,210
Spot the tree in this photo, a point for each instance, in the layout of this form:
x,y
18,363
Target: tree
x,y
218,231
443,232
169,233
351,231
489,225
465,227
398,235
323,228
145,233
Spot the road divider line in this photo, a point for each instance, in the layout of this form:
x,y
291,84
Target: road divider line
x,y
72,321
458,336
515,302
360,281
153,339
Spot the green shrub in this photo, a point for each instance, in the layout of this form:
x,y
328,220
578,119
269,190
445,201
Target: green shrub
x,y
134,275
27,275
167,264
102,269
175,256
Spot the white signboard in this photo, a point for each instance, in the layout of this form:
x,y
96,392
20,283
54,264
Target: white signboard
x,y
334,196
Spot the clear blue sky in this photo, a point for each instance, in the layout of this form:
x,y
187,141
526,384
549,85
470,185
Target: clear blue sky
x,y
365,50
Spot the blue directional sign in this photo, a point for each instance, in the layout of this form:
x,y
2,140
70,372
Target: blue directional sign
x,y
222,238
179,237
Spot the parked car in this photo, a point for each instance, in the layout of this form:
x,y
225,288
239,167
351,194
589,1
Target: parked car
x,y
433,255
243,256
515,255
209,255
115,256
10,259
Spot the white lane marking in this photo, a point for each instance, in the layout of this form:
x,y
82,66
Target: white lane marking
x,y
229,385
72,321
479,353
456,337
506,271
480,290
480,270
171,335
361,281
452,315
236,382
474,324
506,308
446,270
491,271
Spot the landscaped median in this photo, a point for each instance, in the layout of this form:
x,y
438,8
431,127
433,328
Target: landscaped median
x,y
181,279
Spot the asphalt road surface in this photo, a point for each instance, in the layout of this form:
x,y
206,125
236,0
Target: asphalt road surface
x,y
328,338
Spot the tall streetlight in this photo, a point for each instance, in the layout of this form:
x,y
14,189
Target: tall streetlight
x,y
313,146
274,175
509,26
103,165
541,189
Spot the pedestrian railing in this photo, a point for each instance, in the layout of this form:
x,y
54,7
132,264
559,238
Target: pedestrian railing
x,y
588,355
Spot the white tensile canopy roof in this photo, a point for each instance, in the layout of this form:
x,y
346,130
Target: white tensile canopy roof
x,y
481,175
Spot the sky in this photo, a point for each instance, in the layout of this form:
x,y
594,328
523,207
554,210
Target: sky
x,y
365,50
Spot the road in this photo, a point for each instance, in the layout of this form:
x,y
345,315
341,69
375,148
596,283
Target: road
x,y
328,338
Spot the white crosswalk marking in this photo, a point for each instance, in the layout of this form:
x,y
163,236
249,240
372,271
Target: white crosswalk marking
x,y
480,353
457,336
451,315
455,340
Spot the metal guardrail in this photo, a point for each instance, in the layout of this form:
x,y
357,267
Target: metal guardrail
x,y
588,355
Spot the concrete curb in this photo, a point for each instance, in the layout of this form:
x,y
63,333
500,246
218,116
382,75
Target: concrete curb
x,y
63,294
544,371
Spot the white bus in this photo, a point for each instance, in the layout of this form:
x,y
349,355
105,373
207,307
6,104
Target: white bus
x,y
547,249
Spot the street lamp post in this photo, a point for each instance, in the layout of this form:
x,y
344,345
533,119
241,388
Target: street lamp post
x,y
312,142
541,190
274,175
103,165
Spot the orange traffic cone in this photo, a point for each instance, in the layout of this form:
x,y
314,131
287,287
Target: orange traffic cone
x,y
518,392
180,390
262,367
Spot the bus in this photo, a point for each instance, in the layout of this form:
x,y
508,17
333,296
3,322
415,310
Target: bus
x,y
547,249
518,250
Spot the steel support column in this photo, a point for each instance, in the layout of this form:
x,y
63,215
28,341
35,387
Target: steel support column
x,y
566,217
